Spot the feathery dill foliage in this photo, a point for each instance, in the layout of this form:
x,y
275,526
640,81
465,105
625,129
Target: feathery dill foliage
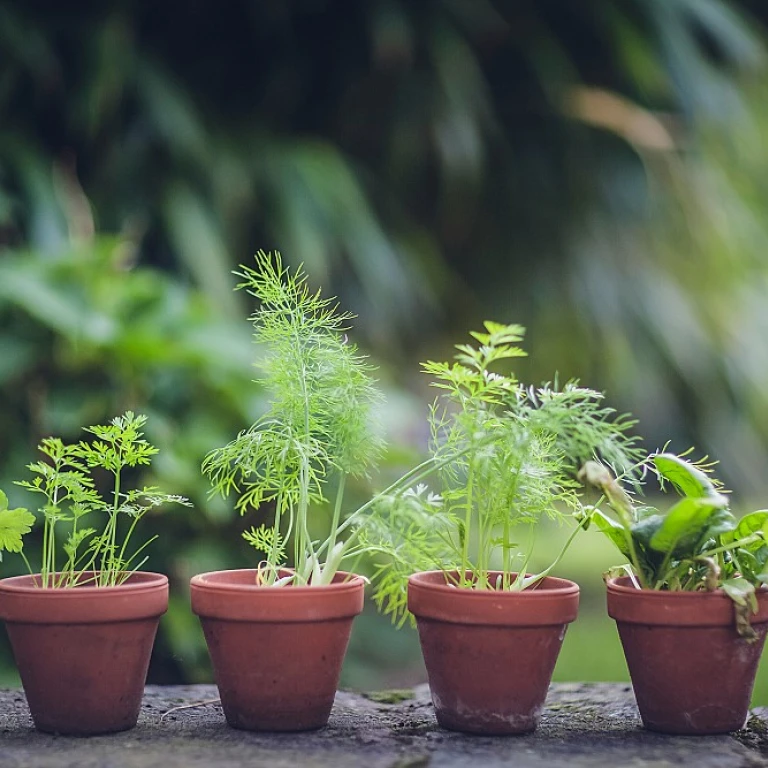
x,y
65,481
317,431
505,455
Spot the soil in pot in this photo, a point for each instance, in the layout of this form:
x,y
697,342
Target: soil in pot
x,y
691,671
83,652
276,651
490,654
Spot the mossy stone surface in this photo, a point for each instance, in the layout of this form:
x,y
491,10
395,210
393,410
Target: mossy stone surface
x,y
591,725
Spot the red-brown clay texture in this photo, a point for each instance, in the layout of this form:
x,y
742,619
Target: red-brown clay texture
x,y
490,654
83,653
276,651
691,671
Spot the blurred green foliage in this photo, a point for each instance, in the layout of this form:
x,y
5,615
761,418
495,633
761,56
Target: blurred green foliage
x,y
595,171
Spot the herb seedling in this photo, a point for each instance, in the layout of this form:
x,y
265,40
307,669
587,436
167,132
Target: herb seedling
x,y
697,544
65,481
507,456
316,434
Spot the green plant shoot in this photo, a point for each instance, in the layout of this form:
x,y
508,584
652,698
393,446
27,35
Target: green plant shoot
x,y
506,457
317,431
696,544
101,555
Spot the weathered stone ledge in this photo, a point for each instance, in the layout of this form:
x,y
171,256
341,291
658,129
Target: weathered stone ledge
x,y
588,724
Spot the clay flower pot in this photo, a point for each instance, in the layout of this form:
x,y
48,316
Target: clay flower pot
x,y
83,652
490,654
276,651
691,671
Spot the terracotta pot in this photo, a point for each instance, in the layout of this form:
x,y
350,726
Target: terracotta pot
x,y
490,654
691,671
83,652
276,651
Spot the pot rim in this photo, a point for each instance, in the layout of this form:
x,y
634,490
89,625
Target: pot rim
x,y
556,586
556,604
673,608
214,596
146,597
203,581
24,585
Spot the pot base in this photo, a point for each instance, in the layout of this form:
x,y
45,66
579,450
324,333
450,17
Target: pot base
x,y
490,654
691,671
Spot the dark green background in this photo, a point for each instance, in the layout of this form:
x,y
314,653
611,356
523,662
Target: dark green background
x,y
595,171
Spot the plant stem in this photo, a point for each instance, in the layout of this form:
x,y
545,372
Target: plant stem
x,y
337,511
467,526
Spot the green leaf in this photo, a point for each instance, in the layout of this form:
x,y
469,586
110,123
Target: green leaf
x,y
685,524
644,530
754,522
688,479
741,592
14,523
612,530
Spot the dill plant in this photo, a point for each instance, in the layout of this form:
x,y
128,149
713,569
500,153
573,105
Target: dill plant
x,y
319,430
65,480
506,456
316,434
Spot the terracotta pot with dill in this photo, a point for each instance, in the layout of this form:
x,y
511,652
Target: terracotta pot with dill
x,y
506,458
278,633
82,628
690,605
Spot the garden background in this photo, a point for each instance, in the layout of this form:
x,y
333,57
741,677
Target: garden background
x,y
596,171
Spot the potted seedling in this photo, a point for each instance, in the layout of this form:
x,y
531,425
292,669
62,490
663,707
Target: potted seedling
x,y
82,627
507,457
690,607
277,635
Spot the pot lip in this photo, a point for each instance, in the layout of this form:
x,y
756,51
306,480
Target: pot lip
x,y
559,587
622,586
24,585
202,581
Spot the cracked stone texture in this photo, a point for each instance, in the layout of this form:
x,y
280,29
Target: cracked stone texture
x,y
584,724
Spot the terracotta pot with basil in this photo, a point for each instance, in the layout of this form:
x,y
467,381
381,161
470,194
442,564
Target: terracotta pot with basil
x,y
82,628
505,457
691,610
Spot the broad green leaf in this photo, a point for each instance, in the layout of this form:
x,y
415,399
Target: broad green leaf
x,y
644,530
689,480
741,592
612,530
14,523
721,524
685,524
754,522
3,501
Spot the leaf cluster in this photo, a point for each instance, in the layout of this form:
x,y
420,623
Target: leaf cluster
x,y
696,544
65,480
506,455
318,428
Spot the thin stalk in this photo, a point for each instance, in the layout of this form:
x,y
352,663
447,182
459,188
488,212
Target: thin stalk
x,y
110,576
136,519
337,511
538,577
467,526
